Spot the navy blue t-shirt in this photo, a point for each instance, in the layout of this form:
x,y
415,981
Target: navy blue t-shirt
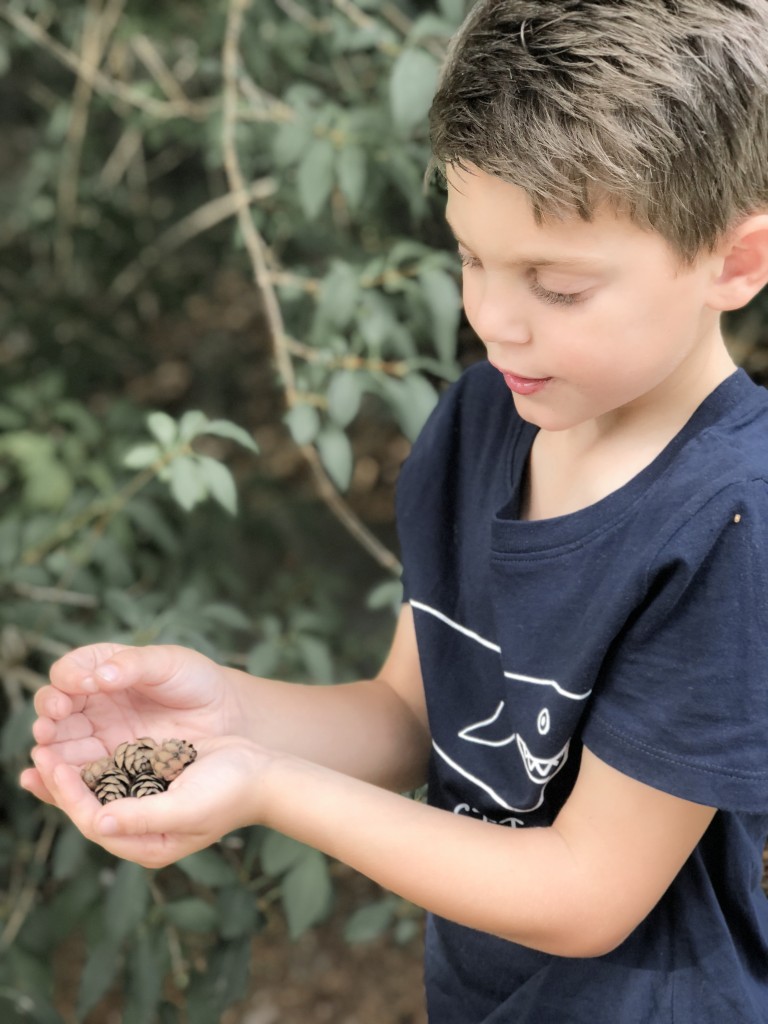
x,y
637,626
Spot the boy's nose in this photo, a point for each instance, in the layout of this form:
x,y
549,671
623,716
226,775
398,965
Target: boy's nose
x,y
500,323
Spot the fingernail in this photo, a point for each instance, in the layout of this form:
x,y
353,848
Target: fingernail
x,y
109,673
107,827
89,685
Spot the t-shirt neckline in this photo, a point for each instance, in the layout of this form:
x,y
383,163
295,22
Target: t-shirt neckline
x,y
510,534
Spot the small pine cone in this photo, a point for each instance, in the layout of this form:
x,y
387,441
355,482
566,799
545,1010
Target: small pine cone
x,y
92,772
147,784
134,758
112,784
171,758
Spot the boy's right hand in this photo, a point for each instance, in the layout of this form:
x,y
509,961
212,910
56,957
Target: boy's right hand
x,y
157,691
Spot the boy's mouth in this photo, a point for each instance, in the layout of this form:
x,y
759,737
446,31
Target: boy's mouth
x,y
523,385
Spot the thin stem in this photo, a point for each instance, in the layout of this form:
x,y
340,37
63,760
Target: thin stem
x,y
257,252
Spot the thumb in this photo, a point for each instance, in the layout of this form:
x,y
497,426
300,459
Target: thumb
x,y
161,813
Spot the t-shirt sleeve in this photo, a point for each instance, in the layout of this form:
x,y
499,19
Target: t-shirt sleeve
x,y
682,701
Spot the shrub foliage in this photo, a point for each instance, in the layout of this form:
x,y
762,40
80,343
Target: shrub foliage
x,y
223,285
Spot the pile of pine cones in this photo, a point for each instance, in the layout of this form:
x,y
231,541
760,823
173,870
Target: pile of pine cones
x,y
138,769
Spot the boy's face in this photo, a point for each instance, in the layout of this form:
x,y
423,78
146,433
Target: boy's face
x,y
587,321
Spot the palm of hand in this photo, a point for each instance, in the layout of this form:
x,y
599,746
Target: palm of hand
x,y
181,699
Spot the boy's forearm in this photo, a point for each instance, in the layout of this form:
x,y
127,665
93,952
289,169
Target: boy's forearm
x,y
362,729
521,885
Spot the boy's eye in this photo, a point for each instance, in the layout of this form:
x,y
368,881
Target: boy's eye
x,y
467,260
554,298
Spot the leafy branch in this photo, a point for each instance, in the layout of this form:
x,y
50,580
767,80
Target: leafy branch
x,y
256,249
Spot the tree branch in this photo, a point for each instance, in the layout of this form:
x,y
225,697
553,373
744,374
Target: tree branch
x,y
257,252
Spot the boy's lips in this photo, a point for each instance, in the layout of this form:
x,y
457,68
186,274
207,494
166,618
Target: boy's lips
x,y
519,385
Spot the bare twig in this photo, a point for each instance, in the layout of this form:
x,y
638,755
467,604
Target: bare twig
x,y
257,253
392,368
263,106
149,56
203,219
301,16
25,900
98,25
179,968
55,595
118,161
196,110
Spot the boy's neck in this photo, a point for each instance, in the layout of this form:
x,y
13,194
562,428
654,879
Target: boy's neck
x,y
573,468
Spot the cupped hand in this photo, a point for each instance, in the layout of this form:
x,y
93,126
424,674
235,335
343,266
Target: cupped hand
x,y
221,791
105,694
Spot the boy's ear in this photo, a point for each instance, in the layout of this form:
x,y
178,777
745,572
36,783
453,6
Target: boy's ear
x,y
742,264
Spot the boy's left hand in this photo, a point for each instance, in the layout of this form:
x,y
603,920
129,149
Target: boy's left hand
x,y
221,791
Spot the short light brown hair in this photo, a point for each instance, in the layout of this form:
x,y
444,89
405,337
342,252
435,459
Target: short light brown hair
x,y
659,107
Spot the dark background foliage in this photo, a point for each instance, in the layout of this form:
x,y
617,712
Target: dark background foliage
x,y
227,305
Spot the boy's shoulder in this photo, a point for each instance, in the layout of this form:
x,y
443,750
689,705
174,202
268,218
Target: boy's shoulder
x,y
730,429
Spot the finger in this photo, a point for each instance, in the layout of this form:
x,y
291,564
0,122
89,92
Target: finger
x,y
66,789
76,727
49,702
170,812
82,662
31,780
105,667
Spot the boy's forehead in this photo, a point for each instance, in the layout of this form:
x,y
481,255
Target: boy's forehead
x,y
483,209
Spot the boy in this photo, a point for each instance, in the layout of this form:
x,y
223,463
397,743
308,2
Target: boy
x,y
579,668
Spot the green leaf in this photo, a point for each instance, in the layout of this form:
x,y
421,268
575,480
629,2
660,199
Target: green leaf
x,y
454,10
101,967
51,923
224,982
344,396
263,658
336,455
405,931
15,734
226,615
441,293
411,87
208,867
219,482
68,853
127,900
371,921
303,421
429,26
352,170
315,177
291,140
141,456
191,914
413,400
306,893
144,978
316,656
388,594
279,853
192,423
237,912
163,427
339,295
224,428
187,482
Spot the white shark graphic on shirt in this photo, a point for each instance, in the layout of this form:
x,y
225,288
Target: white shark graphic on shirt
x,y
534,749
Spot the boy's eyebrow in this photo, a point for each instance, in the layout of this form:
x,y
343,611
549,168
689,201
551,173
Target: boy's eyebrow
x,y
538,261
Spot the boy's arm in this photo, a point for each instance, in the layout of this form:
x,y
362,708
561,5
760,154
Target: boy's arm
x,y
577,888
375,730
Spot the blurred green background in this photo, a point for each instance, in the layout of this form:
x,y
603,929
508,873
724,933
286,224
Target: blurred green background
x,y
227,305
